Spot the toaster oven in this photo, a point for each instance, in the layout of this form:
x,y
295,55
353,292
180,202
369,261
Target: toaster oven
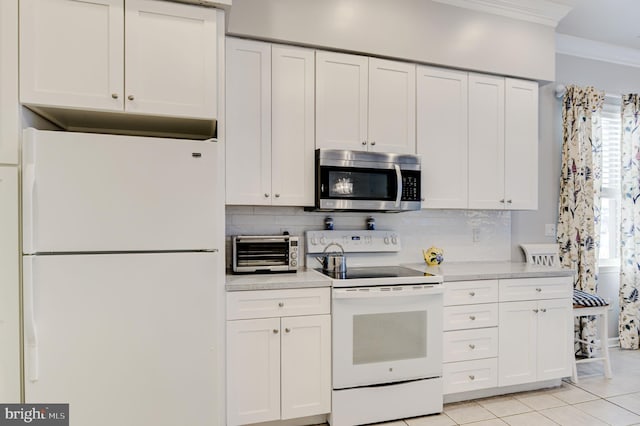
x,y
265,253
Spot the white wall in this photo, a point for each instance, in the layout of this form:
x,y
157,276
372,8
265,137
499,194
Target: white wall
x,y
451,230
416,30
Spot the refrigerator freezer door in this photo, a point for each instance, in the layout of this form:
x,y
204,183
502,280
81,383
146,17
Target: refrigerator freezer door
x,y
101,193
126,340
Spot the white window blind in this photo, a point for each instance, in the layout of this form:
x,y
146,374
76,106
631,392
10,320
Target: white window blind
x,y
611,136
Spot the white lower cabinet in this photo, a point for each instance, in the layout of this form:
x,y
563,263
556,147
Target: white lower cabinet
x,y
278,367
470,341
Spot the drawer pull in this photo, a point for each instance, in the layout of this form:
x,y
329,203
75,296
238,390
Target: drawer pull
x,y
472,377
543,310
472,346
287,330
472,317
538,289
275,331
281,304
535,310
472,293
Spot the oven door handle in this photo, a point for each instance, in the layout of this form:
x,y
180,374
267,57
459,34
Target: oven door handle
x,y
361,293
399,184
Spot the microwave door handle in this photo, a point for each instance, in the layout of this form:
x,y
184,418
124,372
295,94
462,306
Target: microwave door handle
x,y
399,183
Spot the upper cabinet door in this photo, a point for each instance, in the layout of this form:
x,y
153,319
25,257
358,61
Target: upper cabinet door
x,y
486,142
72,53
392,106
248,131
442,136
521,144
341,101
170,59
292,120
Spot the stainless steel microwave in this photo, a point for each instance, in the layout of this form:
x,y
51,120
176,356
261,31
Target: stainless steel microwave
x,y
367,181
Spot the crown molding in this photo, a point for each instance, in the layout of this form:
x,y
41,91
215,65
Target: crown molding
x,y
545,12
597,50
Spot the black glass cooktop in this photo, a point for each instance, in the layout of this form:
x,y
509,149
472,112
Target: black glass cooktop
x,y
376,272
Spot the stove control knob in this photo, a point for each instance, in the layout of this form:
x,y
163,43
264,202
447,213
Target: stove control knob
x,y
294,255
314,241
386,240
323,240
394,239
294,263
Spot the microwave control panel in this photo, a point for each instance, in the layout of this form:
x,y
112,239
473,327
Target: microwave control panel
x,y
410,185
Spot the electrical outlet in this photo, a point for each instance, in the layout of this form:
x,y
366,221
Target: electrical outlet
x,y
550,230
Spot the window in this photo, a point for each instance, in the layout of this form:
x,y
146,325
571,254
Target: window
x,y
610,196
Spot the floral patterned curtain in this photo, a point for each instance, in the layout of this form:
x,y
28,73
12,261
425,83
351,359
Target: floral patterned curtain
x,y
579,205
629,324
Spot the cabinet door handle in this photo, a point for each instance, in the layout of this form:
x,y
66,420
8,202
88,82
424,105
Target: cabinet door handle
x,y
275,331
287,330
280,304
472,377
114,95
472,293
543,310
472,317
373,143
364,142
509,201
277,195
266,195
130,97
535,310
502,201
539,290
472,346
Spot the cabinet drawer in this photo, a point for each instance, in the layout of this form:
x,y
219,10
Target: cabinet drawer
x,y
470,316
465,345
469,375
470,292
536,288
277,303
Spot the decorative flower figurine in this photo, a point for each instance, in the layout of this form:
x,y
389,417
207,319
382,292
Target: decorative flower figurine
x,y
433,256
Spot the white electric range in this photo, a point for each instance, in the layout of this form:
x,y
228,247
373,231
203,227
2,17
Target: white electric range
x,y
386,332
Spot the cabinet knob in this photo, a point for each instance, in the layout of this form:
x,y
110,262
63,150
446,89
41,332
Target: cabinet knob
x,y
472,317
509,201
472,377
280,304
275,331
535,310
502,201
472,346
130,97
538,289
287,330
277,195
472,293
266,195
373,143
422,199
543,310
114,95
364,142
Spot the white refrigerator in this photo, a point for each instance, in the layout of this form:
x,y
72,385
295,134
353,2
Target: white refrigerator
x,y
121,272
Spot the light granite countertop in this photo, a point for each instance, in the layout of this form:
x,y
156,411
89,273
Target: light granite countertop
x,y
303,278
468,271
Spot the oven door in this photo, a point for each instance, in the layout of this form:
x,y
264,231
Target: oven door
x,y
386,334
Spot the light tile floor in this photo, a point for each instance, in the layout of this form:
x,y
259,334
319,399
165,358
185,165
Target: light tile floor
x,y
595,400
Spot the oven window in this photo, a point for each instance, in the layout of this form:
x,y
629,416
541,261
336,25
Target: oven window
x,y
389,337
367,184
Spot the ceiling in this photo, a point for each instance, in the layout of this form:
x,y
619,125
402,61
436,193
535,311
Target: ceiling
x,y
608,21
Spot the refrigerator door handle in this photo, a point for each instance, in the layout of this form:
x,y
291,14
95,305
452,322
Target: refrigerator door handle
x,y
29,185
30,331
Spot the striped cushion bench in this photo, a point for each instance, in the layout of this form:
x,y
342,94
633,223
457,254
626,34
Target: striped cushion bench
x,y
583,299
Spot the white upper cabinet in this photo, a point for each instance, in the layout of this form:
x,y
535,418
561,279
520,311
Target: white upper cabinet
x,y
9,106
72,53
292,126
364,103
141,56
248,131
486,142
442,116
270,124
170,59
521,144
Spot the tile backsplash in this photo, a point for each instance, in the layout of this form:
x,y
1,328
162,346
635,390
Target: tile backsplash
x,y
451,230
